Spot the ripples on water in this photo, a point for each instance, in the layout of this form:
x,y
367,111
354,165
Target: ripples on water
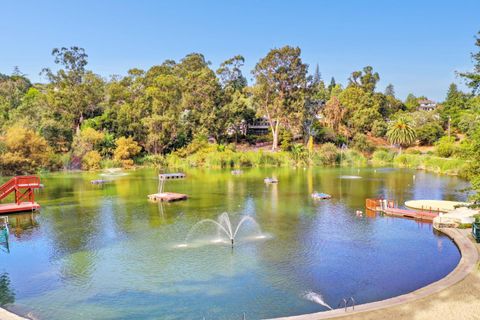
x,y
111,254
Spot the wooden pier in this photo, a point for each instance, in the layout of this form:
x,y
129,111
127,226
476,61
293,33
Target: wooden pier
x,y
389,208
23,188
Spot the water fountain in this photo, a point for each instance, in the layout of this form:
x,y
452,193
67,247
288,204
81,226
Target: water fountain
x,y
225,231
317,298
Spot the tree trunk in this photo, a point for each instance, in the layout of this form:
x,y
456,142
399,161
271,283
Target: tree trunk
x,y
275,140
275,135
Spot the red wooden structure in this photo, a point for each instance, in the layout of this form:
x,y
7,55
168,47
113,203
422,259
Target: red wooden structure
x,y
389,208
23,187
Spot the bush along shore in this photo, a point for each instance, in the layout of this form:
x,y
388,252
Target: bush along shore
x,y
205,155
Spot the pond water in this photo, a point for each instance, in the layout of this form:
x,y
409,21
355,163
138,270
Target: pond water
x,y
106,252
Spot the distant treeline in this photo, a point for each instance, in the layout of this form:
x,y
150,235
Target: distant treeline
x,y
78,119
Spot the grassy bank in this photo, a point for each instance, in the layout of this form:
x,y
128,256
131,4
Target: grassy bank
x,y
427,162
218,156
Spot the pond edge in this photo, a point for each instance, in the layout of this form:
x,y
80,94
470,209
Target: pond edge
x,y
467,263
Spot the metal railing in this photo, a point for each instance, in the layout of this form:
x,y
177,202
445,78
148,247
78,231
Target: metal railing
x,y
345,303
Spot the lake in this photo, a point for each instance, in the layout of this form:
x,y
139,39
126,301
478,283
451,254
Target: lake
x,y
106,252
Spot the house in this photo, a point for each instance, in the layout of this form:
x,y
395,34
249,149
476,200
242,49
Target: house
x,y
259,126
426,105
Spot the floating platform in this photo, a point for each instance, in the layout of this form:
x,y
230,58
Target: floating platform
x,y
321,196
237,172
100,181
435,205
171,176
167,196
21,207
270,180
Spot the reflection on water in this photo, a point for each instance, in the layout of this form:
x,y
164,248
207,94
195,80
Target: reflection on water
x,y
108,253
7,296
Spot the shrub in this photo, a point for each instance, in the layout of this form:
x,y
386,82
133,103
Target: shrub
x,y
379,128
353,158
24,151
429,132
156,160
286,140
91,160
361,143
329,154
445,147
126,149
382,157
413,151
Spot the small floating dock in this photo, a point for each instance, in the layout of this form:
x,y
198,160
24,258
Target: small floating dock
x,y
167,196
99,181
389,208
321,196
270,180
23,188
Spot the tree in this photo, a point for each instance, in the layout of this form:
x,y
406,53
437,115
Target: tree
x,y
332,84
74,93
24,152
317,76
473,78
235,110
455,103
201,95
363,108
230,73
401,132
390,91
334,114
126,149
12,90
365,79
411,102
279,88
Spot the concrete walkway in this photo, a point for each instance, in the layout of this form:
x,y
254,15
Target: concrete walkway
x,y
457,296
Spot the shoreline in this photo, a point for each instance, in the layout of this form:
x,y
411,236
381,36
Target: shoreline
x,y
469,252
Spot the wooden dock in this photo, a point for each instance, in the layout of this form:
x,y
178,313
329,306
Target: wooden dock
x,y
389,208
22,187
22,207
167,196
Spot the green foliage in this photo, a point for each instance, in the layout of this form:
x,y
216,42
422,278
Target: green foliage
x,y
353,158
25,152
286,140
429,133
329,154
432,163
401,132
382,157
446,147
279,90
379,128
473,77
126,149
91,160
361,143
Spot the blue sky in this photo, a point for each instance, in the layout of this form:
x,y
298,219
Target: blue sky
x,y
415,45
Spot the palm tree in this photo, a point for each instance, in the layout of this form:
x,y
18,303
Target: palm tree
x,y
401,132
